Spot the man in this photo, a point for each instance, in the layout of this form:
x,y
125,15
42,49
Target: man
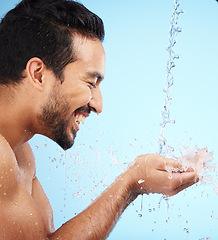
x,y
52,63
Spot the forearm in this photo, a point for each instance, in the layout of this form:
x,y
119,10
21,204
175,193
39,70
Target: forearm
x,y
147,174
97,221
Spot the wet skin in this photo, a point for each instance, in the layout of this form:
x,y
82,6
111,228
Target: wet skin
x,y
79,94
25,210
58,108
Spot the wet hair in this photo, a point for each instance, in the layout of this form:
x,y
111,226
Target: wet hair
x,y
43,29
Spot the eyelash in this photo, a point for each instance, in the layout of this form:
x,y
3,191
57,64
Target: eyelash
x,y
92,85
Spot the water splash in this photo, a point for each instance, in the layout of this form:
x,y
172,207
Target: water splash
x,y
163,147
202,162
199,159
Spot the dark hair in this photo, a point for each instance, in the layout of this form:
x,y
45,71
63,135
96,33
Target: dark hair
x,y
44,29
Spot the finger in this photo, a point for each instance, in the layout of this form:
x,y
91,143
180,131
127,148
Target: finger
x,y
179,179
170,165
173,163
180,188
176,166
187,177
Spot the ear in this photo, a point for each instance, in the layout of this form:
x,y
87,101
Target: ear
x,y
34,70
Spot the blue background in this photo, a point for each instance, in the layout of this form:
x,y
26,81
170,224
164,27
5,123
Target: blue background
x,y
137,34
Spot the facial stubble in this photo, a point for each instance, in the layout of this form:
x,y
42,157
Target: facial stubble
x,y
55,120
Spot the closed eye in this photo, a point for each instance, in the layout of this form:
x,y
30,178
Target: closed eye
x,y
92,85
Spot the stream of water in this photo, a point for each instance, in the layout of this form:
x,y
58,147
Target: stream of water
x,y
163,147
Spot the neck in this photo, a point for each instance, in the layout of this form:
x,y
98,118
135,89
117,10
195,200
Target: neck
x,y
15,137
15,122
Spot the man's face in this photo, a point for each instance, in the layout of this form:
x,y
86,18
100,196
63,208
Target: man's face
x,y
71,102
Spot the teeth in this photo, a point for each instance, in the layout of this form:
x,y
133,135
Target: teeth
x,y
80,118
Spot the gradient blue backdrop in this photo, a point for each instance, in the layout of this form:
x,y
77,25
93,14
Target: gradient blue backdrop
x,y
137,34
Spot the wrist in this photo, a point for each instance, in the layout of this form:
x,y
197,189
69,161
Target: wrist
x,y
137,176
130,184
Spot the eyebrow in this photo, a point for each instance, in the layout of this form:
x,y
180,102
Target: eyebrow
x,y
96,75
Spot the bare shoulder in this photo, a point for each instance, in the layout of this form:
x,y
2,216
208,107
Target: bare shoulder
x,y
25,210
27,172
5,149
8,168
26,160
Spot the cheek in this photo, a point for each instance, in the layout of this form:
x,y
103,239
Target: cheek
x,y
82,97
90,96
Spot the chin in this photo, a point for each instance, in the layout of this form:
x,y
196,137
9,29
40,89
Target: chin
x,y
66,142
65,145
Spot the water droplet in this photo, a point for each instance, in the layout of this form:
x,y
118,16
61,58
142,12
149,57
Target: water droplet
x,y
140,181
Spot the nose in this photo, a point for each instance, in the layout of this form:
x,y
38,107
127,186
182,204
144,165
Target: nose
x,y
96,102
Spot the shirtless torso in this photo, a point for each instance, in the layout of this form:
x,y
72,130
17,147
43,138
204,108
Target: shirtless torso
x,y
52,62
21,194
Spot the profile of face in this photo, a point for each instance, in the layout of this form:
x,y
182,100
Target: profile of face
x,y
70,102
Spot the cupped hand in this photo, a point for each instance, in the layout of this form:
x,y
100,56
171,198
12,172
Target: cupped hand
x,y
152,173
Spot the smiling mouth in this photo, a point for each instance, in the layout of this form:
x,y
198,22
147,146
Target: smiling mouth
x,y
80,118
80,115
